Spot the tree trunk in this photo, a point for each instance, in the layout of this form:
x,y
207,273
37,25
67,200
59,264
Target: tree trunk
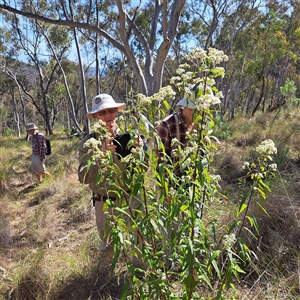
x,y
16,114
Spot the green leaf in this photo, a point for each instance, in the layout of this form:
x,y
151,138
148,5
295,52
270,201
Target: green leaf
x,y
263,209
166,104
237,268
262,193
241,209
125,290
233,226
253,222
250,220
205,278
213,261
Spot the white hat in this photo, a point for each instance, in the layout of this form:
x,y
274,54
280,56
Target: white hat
x,y
30,126
104,101
184,102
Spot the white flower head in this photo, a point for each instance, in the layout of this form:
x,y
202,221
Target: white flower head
x,y
175,79
216,56
267,148
273,167
142,100
180,71
246,165
165,93
174,142
229,240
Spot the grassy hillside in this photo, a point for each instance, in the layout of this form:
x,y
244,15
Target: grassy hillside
x,y
48,237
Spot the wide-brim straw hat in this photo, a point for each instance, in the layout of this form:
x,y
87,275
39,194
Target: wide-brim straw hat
x,y
30,126
104,101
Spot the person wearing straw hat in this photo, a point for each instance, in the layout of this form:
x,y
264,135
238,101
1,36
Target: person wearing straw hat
x,y
39,149
105,110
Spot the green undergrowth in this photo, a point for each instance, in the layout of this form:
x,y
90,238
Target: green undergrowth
x,y
49,242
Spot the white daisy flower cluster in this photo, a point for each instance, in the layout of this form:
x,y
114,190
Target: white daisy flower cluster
x,y
142,100
200,62
99,156
174,142
197,55
267,148
186,179
259,168
165,93
96,146
203,94
187,153
206,60
216,56
197,77
273,167
172,192
246,165
229,240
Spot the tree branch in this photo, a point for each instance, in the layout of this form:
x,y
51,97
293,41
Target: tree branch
x,y
68,23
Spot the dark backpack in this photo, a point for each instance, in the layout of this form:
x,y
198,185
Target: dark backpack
x,y
48,143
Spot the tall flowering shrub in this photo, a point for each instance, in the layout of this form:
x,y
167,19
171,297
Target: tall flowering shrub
x,y
174,225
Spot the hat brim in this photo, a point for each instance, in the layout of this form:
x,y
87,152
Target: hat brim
x,y
186,103
119,106
33,128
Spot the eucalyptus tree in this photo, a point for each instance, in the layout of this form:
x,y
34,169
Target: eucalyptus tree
x,y
265,57
291,18
215,23
143,33
258,36
8,89
218,23
13,91
44,85
59,36
8,105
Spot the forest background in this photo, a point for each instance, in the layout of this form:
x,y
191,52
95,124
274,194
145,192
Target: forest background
x,y
124,48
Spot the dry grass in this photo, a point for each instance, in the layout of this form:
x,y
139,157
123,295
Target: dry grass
x,y
48,238
276,273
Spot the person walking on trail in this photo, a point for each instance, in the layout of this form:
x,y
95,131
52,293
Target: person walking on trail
x,y
105,110
39,150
